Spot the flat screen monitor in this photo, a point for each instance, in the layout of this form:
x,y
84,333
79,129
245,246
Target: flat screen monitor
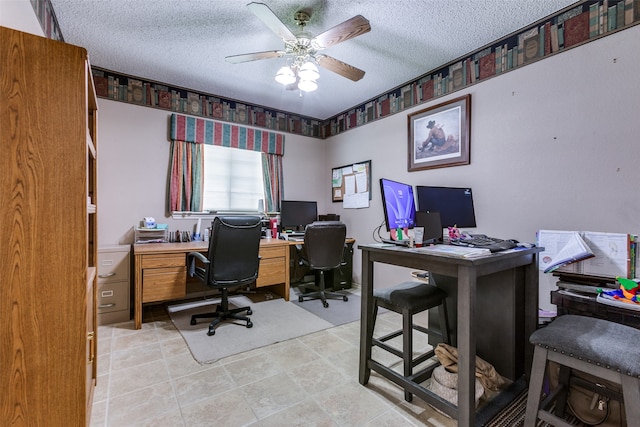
x,y
454,204
399,204
295,215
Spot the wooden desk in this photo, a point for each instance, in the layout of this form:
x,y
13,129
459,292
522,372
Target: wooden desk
x,y
468,272
160,270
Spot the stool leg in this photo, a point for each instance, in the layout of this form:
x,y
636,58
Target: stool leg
x,y
631,393
535,386
444,322
407,347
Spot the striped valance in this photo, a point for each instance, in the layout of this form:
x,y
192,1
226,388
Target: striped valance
x,y
203,131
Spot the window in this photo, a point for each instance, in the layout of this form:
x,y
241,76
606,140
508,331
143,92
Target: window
x,y
232,179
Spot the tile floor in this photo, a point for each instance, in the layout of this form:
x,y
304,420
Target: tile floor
x,y
147,377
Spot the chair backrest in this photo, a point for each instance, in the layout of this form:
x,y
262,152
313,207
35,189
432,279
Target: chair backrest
x,y
234,245
324,244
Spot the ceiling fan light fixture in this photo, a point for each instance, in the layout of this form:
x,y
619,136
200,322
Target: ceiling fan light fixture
x,y
285,76
309,71
307,85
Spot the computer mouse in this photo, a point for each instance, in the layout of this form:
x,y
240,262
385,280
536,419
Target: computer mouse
x,y
514,241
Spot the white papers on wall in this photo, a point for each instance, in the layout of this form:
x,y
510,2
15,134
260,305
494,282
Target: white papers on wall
x,y
351,185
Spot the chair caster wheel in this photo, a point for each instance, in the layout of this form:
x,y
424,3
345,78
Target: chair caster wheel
x,y
249,324
211,332
300,299
326,304
193,321
345,298
249,312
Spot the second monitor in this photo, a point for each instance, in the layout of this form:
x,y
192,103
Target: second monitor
x,y
454,204
295,214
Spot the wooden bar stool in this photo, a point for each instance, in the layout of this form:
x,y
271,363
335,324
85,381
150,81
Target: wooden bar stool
x,y
604,349
407,299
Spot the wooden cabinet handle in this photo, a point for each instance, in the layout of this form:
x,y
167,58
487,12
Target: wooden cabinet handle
x,y
92,347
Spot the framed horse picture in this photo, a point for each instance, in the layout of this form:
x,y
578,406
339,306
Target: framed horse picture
x,y
439,136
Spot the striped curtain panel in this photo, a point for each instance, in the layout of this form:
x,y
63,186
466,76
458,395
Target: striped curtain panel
x,y
273,185
187,158
187,177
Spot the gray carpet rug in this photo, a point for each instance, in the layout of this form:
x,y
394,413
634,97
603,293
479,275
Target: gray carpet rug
x,y
273,321
339,312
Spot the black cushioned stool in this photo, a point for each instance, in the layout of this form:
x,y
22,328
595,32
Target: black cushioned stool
x,y
409,298
604,349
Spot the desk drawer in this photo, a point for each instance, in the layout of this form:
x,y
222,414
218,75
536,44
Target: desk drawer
x,y
113,297
164,260
113,266
160,284
272,271
273,252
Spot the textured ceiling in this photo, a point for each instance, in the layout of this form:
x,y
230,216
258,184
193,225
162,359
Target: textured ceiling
x,y
184,43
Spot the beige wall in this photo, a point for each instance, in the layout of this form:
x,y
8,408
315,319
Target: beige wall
x,y
19,15
133,164
553,146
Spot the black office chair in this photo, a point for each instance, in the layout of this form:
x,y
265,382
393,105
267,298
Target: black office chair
x,y
232,261
322,252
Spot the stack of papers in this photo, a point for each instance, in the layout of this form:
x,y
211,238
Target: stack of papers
x,y
456,251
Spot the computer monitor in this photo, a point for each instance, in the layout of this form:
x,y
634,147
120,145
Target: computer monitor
x,y
295,215
399,204
454,204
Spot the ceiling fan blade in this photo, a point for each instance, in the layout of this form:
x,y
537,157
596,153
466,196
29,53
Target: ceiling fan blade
x,y
246,57
267,16
347,30
339,67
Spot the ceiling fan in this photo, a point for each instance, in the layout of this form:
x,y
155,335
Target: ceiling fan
x,y
302,49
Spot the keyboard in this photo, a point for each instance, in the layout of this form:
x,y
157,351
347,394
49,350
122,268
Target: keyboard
x,y
396,242
482,241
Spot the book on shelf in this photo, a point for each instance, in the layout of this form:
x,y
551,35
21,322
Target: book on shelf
x,y
588,253
576,29
487,65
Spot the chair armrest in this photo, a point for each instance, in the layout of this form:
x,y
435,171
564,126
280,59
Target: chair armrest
x,y
198,255
191,262
301,258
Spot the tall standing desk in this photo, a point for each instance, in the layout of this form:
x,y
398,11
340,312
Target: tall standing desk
x,y
514,272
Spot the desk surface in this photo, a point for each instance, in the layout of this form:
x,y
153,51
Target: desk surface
x,y
149,248
467,272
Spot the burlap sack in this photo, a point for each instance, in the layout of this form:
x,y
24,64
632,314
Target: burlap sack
x,y
485,372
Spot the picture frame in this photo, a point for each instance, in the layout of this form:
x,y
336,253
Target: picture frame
x,y
439,136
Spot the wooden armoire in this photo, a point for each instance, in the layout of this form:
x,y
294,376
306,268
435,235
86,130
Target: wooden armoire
x,y
48,232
